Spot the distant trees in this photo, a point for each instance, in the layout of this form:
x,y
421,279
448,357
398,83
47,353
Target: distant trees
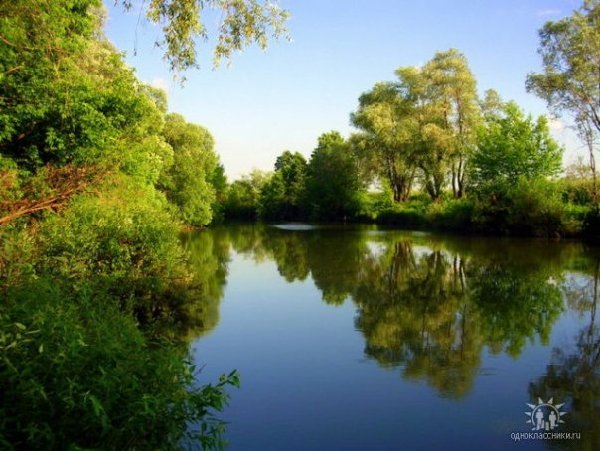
x,y
326,187
332,182
282,197
242,199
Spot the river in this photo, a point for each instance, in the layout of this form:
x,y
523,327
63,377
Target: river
x,y
364,338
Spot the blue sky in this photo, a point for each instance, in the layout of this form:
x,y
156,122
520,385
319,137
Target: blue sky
x,y
284,98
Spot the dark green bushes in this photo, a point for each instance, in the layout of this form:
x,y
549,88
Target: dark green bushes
x,y
76,372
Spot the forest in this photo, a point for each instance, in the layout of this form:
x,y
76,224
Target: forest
x,y
98,180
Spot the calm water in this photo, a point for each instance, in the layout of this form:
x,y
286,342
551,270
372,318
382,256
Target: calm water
x,y
359,338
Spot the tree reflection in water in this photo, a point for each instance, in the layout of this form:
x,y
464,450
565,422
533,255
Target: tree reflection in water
x,y
573,374
427,305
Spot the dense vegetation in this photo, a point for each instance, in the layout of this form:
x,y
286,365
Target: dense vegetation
x,y
97,179
429,151
96,182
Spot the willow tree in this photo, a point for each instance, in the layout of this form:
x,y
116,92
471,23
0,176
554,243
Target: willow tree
x,y
570,82
243,22
452,116
425,121
387,127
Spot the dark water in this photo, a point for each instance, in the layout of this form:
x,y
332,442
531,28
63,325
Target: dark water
x,y
358,338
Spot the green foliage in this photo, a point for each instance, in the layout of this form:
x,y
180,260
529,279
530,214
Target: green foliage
x,y
512,146
187,182
130,245
570,49
283,195
243,197
76,372
526,207
243,22
332,181
426,121
218,180
93,277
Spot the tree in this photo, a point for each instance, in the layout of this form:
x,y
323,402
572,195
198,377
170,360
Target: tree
x,y
243,196
512,145
426,120
385,144
570,50
452,117
283,196
243,22
187,182
332,181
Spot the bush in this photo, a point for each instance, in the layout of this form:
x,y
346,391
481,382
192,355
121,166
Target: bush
x,y
452,214
124,239
77,373
409,214
528,207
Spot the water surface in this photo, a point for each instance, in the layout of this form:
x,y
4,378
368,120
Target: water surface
x,y
362,338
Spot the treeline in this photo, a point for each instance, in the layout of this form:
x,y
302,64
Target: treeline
x,y
96,181
430,152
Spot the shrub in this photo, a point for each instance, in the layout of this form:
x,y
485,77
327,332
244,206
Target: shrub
x,y
77,373
528,207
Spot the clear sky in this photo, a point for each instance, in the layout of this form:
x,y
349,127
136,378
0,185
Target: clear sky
x,y
284,98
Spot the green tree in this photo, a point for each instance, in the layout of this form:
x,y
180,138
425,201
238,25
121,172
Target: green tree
x,y
332,181
512,145
187,182
283,196
427,120
385,145
243,196
570,50
451,119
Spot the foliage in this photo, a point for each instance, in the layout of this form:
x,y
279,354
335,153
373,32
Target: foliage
x,y
384,145
187,181
425,120
282,197
570,50
76,372
243,197
332,181
525,207
243,22
512,146
92,272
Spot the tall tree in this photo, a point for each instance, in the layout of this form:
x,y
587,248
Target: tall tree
x,y
332,181
570,50
387,127
453,116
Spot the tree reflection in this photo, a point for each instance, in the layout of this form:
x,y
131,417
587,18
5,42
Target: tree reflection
x,y
573,375
412,312
208,253
426,305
